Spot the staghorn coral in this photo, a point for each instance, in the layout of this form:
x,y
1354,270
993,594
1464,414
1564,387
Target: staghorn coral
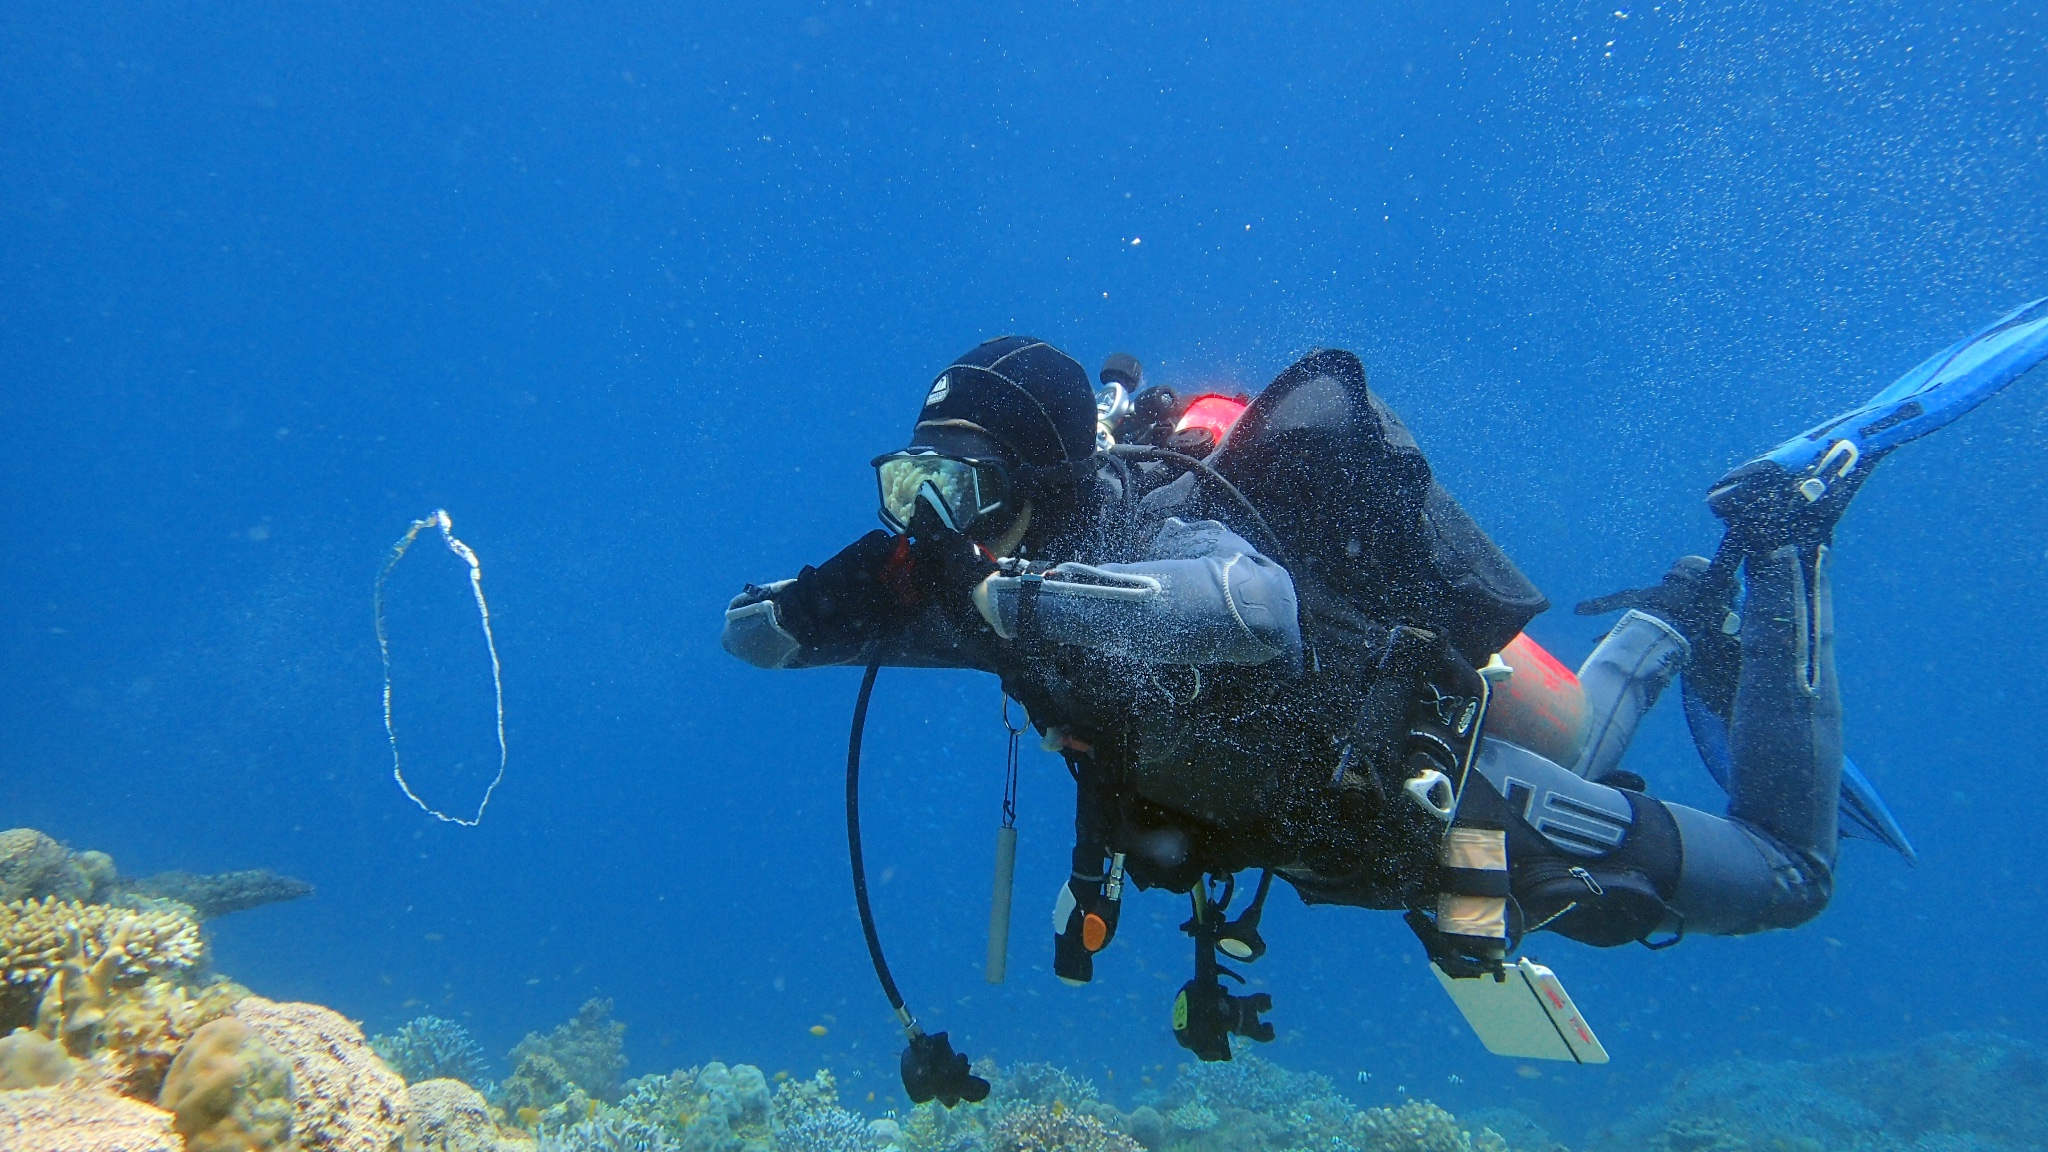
x,y
1052,1128
589,1051
343,1098
73,1119
144,1027
229,1091
40,937
430,1048
33,1060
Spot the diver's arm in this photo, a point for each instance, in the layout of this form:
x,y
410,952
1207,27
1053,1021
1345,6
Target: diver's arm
x,y
1200,595
828,614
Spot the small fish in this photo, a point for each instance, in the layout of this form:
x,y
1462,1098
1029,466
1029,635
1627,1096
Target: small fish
x,y
1528,1072
1364,1077
818,1029
1457,1079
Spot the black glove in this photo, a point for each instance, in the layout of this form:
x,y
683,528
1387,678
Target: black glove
x,y
945,566
1689,598
861,587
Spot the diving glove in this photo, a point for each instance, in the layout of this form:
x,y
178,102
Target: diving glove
x,y
854,590
945,565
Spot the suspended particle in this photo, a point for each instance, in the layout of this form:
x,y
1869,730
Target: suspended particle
x,y
440,520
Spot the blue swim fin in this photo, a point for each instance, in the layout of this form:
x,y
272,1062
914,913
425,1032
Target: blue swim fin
x,y
1803,485
1863,814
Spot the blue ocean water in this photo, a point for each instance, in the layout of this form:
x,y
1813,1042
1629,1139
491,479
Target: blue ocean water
x,y
636,292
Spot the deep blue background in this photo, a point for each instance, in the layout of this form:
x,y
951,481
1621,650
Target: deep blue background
x,y
636,293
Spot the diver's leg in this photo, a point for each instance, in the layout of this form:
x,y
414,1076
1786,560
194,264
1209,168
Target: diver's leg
x,y
1770,864
1622,679
1785,745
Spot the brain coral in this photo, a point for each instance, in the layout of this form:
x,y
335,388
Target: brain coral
x,y
343,1098
39,936
82,1120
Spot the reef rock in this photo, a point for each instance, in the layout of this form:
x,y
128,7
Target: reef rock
x,y
143,1029
33,1060
343,1097
589,1051
229,1091
33,865
216,895
82,1120
449,1116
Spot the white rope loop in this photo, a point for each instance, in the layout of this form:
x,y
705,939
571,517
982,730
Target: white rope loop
x,y
439,519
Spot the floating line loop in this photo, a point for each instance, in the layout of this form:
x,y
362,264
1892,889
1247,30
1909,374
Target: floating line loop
x,y
467,555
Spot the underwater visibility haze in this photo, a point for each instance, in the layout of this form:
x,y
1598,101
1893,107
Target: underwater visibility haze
x,y
625,299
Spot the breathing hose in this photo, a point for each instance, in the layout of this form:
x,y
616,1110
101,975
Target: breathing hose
x,y
931,1069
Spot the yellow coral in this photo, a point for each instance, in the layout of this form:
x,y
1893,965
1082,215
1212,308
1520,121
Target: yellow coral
x,y
40,937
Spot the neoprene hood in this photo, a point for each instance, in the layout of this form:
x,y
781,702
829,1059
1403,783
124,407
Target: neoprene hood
x,y
1033,400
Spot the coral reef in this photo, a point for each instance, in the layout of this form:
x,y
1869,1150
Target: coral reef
x,y
38,938
143,1028
33,866
450,1116
343,1097
807,1118
33,1060
430,1048
1419,1126
229,1091
1957,1092
1053,1128
82,1120
610,1134
587,1053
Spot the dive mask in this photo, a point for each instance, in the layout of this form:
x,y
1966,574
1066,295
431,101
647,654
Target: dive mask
x,y
960,489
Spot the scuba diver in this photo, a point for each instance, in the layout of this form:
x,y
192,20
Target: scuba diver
x,y
1263,637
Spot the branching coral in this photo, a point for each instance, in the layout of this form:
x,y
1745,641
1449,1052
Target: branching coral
x,y
430,1048
807,1118
38,937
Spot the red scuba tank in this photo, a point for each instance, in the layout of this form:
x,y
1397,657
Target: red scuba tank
x,y
1541,707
